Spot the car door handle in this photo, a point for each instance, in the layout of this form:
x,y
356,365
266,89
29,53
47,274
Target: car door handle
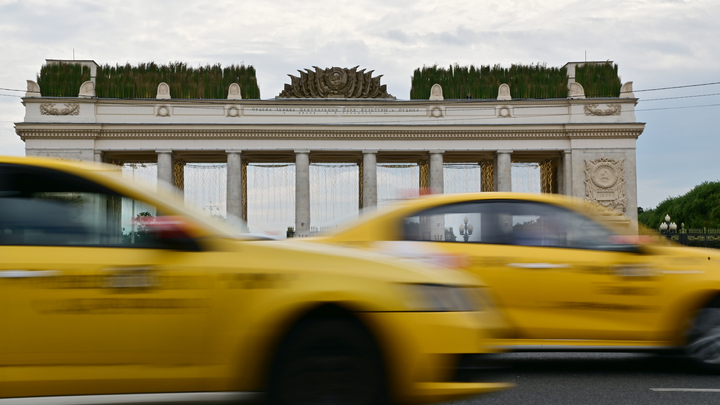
x,y
539,265
28,273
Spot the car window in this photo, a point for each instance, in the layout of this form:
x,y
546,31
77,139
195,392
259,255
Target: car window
x,y
507,222
45,207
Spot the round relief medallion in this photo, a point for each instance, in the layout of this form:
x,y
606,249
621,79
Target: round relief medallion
x,y
336,78
604,176
163,111
233,112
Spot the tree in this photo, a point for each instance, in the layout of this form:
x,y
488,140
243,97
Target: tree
x,y
698,208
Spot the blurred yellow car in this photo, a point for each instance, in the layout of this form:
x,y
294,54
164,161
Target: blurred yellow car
x,y
110,293
567,277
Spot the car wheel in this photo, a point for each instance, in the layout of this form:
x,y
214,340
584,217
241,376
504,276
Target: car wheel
x,y
328,362
703,343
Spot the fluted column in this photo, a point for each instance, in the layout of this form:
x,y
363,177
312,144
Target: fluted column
x,y
503,170
302,193
437,180
165,167
567,172
234,183
369,178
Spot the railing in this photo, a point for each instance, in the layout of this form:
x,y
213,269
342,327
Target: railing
x,y
696,237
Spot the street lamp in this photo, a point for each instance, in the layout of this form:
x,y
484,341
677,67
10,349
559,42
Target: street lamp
x,y
667,227
466,229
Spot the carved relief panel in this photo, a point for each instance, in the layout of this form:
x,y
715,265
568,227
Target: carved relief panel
x,y
335,82
605,183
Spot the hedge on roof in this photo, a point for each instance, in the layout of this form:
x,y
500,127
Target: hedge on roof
x,y
599,79
141,81
62,79
526,81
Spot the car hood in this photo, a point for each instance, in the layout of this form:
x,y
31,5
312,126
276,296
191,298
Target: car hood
x,y
323,258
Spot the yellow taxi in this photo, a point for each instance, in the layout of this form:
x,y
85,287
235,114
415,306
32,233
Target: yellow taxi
x,y
566,277
113,293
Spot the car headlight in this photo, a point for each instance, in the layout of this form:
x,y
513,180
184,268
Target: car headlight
x,y
442,298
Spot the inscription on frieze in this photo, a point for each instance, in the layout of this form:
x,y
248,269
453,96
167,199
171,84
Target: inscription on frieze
x,y
338,111
335,82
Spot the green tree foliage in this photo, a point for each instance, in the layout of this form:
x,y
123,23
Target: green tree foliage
x,y
141,81
699,208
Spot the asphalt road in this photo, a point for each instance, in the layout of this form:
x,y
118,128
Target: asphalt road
x,y
601,378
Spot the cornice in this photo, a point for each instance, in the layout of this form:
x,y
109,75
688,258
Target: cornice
x,y
329,103
561,132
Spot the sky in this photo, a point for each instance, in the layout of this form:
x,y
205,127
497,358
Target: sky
x,y
655,43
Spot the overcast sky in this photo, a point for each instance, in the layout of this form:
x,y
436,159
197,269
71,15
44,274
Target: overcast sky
x,y
655,44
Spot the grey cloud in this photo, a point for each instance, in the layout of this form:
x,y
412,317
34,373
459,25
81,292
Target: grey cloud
x,y
399,36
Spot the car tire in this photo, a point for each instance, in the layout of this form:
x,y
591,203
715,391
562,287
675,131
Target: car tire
x,y
328,362
703,340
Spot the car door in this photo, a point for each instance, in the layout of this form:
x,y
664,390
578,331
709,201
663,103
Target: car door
x,y
91,301
555,272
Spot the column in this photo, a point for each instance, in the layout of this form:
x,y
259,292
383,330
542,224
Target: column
x,y
98,156
503,170
437,180
567,172
165,167
234,183
369,178
302,193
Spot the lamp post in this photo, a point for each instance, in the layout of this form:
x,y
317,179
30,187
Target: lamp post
x,y
466,229
668,228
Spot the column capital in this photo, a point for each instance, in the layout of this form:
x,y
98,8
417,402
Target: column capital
x,y
163,151
567,151
299,151
504,151
229,151
365,151
436,151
